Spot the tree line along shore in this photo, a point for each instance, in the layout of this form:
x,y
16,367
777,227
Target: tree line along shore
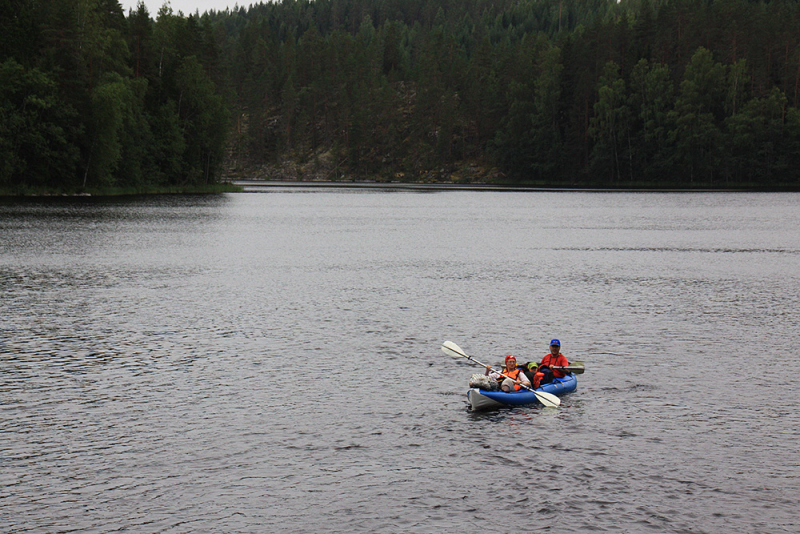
x,y
647,94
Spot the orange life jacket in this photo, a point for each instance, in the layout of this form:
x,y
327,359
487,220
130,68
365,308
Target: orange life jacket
x,y
549,361
558,360
513,375
537,379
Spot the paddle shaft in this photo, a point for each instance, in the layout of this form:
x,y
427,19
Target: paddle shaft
x,y
545,398
574,368
496,371
503,375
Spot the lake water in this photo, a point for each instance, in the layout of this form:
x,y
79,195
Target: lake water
x,y
270,362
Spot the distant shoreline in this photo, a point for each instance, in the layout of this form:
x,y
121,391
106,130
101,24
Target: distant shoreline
x,y
254,186
257,186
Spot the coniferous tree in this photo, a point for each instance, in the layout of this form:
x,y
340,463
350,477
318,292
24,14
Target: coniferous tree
x,y
660,93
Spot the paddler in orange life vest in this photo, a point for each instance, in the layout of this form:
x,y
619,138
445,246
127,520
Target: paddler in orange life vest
x,y
545,373
515,375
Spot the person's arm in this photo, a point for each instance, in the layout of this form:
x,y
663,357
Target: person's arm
x,y
523,379
561,361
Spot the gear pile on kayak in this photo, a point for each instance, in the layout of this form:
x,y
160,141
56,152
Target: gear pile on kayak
x,y
484,394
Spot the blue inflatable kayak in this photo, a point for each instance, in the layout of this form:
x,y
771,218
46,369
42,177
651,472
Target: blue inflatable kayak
x,y
481,399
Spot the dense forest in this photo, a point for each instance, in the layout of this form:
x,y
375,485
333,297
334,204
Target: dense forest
x,y
92,99
567,93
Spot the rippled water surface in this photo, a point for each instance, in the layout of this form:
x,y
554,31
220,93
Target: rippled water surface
x,y
269,362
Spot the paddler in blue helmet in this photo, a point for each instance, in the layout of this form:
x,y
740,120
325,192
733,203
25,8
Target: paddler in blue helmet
x,y
516,376
544,372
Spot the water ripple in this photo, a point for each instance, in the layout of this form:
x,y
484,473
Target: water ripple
x,y
249,363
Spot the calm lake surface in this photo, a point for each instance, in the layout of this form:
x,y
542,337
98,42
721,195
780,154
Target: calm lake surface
x,y
270,362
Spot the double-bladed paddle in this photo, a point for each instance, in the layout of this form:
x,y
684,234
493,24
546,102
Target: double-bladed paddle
x,y
548,399
575,367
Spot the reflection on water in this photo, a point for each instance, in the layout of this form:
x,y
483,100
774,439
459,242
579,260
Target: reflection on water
x,y
249,362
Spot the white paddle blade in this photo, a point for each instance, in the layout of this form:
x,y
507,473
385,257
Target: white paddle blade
x,y
451,349
548,399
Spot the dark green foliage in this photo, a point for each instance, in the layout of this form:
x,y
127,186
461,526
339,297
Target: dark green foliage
x,y
37,139
92,100
637,93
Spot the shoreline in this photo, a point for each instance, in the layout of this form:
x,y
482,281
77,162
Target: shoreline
x,y
255,186
262,186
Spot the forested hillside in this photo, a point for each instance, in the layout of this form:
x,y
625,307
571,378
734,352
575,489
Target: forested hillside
x,y
92,99
669,93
